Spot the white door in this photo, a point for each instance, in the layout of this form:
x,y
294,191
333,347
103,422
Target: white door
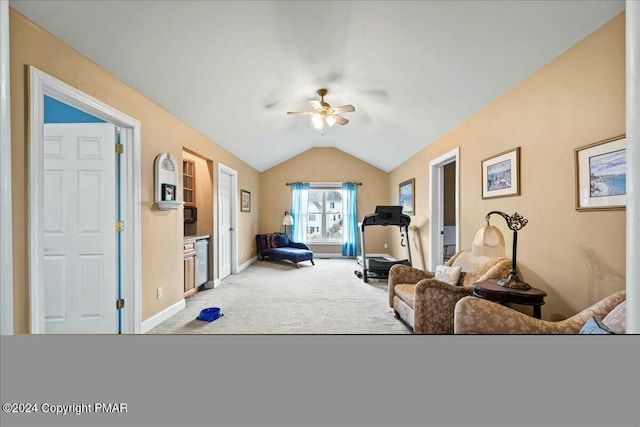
x,y
224,223
79,260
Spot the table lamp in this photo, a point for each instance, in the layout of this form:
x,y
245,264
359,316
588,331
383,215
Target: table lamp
x,y
515,223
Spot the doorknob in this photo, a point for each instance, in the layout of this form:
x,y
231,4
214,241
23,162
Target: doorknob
x,y
230,228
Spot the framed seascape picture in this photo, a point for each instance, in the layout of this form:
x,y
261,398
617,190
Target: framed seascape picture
x,y
601,175
407,189
501,175
168,192
245,201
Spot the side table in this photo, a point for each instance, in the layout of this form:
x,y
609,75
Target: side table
x,y
489,289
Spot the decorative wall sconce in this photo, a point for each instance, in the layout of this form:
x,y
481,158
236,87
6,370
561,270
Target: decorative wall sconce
x,y
515,222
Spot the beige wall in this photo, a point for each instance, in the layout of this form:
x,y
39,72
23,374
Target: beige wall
x,y
162,231
324,165
577,99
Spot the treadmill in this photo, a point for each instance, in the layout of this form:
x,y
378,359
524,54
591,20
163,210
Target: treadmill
x,y
378,267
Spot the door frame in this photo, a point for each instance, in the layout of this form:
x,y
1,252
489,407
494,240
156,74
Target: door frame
x,y
41,84
222,168
6,223
436,204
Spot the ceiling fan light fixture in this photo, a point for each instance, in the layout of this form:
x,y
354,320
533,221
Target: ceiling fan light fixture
x,y
316,121
323,115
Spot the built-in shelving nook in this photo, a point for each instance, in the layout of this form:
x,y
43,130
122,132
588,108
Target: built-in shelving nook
x,y
166,185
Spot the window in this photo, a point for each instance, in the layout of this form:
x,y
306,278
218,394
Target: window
x,y
325,214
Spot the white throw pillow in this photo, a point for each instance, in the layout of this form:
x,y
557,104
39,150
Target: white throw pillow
x,y
450,275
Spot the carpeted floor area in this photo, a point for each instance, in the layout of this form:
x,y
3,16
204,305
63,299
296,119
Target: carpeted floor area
x,y
272,297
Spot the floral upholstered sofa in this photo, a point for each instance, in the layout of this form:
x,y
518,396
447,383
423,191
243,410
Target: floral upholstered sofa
x,y
277,246
479,316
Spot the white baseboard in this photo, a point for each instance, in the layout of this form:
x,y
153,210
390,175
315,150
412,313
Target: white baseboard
x,y
247,264
317,255
156,319
333,255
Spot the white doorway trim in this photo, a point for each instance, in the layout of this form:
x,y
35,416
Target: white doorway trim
x,y
213,255
222,168
41,84
633,159
436,205
6,222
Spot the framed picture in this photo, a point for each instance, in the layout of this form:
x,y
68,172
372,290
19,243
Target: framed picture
x,y
168,192
406,198
245,201
601,175
501,175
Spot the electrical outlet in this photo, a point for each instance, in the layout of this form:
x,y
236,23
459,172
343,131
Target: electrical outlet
x,y
386,246
251,250
158,293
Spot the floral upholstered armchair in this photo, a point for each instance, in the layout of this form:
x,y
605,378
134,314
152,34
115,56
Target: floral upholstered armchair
x,y
480,316
426,300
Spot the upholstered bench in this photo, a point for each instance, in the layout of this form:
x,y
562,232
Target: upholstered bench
x,y
277,246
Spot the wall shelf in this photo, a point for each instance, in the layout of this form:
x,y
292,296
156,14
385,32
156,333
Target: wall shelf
x,y
189,182
165,205
166,183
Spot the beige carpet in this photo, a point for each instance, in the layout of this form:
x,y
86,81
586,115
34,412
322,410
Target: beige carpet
x,y
272,297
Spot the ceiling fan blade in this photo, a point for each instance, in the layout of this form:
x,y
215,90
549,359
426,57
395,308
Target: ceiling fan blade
x,y
301,113
340,120
315,104
343,109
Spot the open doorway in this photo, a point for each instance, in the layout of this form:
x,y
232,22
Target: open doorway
x,y
116,181
444,207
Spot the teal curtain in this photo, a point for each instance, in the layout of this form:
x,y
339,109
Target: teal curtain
x,y
299,211
349,219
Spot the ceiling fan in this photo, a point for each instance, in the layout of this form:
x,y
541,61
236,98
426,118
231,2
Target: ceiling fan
x,y
324,114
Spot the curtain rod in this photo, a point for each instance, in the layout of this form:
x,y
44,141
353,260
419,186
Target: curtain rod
x,y
323,183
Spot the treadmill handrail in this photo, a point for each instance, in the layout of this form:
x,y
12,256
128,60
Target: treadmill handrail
x,y
374,219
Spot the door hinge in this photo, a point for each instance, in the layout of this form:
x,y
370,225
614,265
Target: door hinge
x,y
119,148
119,225
120,303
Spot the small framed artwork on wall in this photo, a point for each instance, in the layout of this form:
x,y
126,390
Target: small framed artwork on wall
x,y
601,175
245,201
168,192
407,200
501,175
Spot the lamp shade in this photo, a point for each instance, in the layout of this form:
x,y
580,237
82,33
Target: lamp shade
x,y
488,242
287,219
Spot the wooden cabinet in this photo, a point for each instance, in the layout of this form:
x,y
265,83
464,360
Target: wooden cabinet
x,y
189,182
189,269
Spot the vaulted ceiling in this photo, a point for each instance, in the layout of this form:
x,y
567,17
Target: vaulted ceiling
x,y
232,70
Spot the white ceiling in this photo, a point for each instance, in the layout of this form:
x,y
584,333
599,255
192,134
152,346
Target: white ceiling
x,y
231,70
